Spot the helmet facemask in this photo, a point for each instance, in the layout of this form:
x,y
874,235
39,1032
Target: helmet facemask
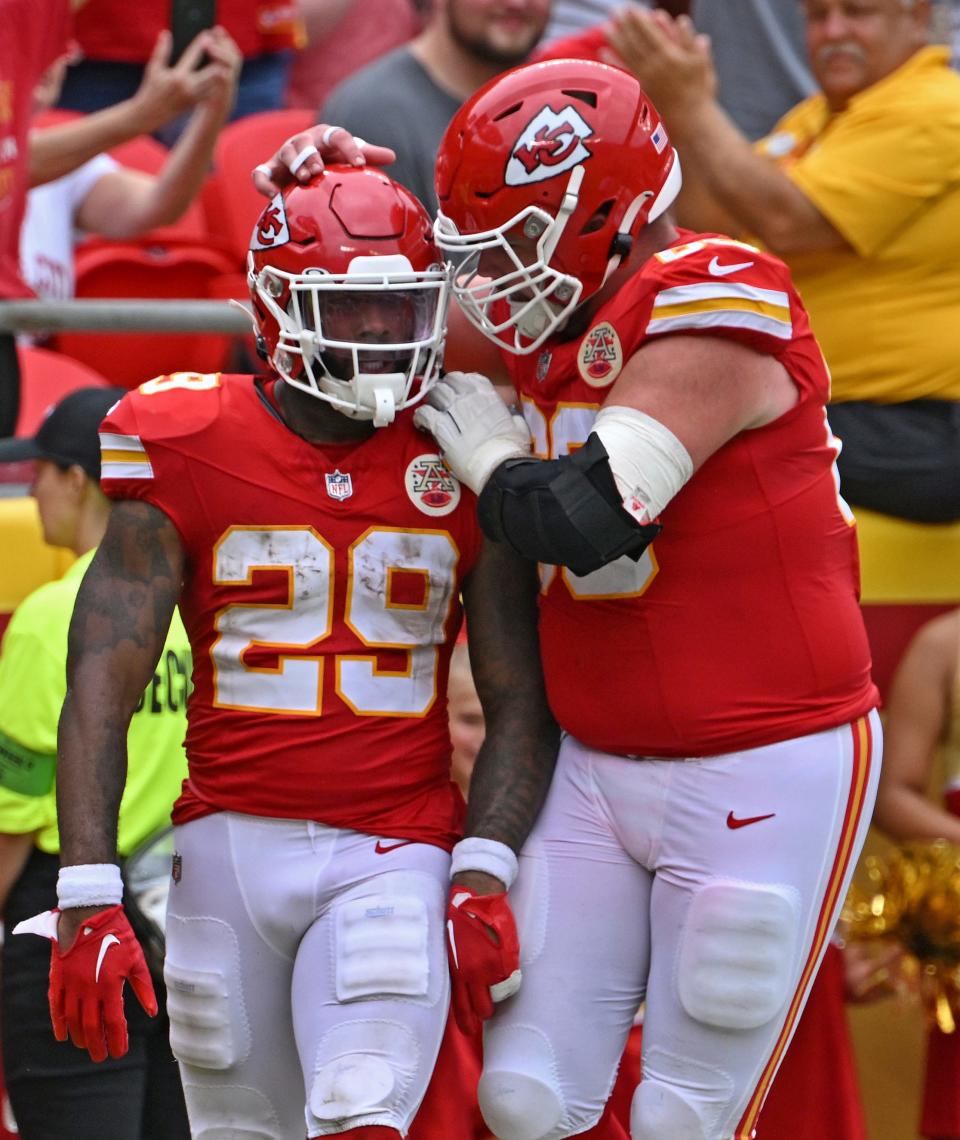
x,y
359,340
539,297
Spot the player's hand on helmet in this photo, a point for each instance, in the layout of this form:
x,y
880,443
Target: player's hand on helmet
x,y
484,954
305,154
473,427
87,977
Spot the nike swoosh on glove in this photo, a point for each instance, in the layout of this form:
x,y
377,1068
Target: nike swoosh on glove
x,y
473,427
484,954
86,981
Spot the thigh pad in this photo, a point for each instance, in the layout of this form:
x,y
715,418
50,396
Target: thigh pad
x,y
737,954
381,947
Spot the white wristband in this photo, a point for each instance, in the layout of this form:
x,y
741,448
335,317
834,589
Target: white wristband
x,y
488,855
89,884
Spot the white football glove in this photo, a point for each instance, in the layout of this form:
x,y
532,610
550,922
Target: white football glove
x,y
473,427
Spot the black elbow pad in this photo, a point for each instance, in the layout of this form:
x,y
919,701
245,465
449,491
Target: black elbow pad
x,y
566,512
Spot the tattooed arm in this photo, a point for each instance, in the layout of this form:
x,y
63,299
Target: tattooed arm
x,y
117,632
516,761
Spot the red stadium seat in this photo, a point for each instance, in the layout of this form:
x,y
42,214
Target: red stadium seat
x,y
45,378
232,200
125,271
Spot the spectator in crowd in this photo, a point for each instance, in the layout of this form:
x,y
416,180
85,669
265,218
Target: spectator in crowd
x,y
116,50
405,99
34,34
60,1094
923,719
758,52
858,188
101,197
364,30
318,816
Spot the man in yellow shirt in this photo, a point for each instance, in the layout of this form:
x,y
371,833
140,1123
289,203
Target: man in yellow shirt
x,y
59,1093
858,190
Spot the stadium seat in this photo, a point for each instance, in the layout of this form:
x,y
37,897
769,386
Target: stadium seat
x,y
126,271
232,200
45,378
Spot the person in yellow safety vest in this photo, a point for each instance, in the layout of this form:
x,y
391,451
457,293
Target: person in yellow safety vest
x,y
55,1092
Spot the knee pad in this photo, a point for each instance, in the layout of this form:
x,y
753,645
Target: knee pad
x,y
365,1073
381,948
207,1029
230,1112
356,1085
736,961
659,1112
517,1106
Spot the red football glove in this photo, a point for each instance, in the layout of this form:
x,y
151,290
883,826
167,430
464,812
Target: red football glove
x,y
86,981
484,954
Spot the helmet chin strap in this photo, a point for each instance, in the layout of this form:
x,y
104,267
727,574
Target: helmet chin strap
x,y
373,395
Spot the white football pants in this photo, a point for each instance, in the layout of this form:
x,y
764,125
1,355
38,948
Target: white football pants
x,y
307,976
708,887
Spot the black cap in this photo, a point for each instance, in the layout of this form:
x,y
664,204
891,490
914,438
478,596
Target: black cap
x,y
69,433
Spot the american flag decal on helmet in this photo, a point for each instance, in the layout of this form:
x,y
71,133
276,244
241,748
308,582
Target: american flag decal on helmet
x,y
659,139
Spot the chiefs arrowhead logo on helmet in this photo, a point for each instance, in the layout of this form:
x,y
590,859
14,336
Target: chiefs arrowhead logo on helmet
x,y
550,144
272,228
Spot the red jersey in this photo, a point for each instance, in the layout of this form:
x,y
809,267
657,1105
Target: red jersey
x,y
105,29
34,34
740,625
321,598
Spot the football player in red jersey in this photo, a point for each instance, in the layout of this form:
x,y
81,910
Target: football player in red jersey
x,y
318,547
699,619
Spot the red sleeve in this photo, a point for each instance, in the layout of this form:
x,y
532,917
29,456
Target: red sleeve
x,y
141,447
716,286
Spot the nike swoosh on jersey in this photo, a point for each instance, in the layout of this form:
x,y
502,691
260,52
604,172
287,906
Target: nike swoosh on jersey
x,y
110,940
718,270
733,823
382,848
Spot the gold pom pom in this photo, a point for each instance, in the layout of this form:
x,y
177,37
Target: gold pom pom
x,y
911,896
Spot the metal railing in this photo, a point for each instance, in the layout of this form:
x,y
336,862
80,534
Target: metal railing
x,y
183,316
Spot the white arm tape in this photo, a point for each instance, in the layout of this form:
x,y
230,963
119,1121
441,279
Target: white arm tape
x,y
488,855
89,884
648,462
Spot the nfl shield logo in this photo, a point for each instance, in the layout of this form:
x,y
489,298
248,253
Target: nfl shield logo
x,y
339,486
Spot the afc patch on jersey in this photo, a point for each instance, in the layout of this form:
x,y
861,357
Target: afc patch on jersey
x,y
271,228
549,144
600,358
339,485
431,487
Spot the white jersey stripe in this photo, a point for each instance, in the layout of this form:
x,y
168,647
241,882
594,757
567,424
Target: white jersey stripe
x,y
114,470
710,290
113,441
723,318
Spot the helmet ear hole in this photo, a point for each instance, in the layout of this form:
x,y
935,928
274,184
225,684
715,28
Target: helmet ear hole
x,y
261,344
598,219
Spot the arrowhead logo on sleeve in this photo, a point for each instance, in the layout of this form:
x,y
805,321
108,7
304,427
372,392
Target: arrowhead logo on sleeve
x,y
551,143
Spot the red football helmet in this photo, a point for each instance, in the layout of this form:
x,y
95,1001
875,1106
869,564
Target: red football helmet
x,y
349,292
543,176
